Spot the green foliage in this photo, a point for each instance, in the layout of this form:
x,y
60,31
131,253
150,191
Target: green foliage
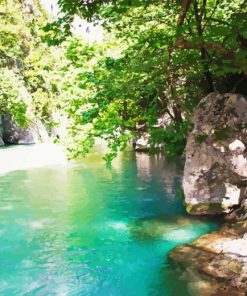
x,y
11,96
30,71
56,32
221,134
201,138
173,137
12,42
155,64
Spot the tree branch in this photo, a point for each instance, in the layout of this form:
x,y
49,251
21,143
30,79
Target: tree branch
x,y
183,12
185,44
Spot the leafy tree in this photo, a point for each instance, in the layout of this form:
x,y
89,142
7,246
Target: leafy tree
x,y
170,54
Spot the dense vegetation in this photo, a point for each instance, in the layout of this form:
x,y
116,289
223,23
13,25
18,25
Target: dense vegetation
x,y
30,69
157,60
167,55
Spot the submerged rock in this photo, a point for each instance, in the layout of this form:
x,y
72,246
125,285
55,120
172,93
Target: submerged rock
x,y
172,229
216,263
157,227
215,175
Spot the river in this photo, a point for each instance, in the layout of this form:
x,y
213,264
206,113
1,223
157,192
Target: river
x,y
79,228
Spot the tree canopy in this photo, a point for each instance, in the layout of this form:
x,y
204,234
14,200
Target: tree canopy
x,y
167,55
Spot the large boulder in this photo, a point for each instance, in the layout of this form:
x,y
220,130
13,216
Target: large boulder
x,y
216,263
215,174
13,134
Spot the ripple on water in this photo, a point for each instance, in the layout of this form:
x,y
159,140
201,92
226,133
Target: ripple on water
x,y
81,229
122,226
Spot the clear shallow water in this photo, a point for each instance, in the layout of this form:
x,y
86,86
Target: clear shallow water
x,y
81,229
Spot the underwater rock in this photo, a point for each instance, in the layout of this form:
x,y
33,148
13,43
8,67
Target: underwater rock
x,y
215,263
215,174
177,228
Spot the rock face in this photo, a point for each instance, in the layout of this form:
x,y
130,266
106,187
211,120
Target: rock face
x,y
216,263
215,182
215,175
1,132
13,134
36,132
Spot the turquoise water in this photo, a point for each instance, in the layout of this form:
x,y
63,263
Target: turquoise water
x,y
81,229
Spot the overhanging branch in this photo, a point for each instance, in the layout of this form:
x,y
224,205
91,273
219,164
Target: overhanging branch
x,y
185,44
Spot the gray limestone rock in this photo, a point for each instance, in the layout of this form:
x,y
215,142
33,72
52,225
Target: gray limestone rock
x,y
215,174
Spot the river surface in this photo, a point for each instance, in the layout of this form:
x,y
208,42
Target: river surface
x,y
79,228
